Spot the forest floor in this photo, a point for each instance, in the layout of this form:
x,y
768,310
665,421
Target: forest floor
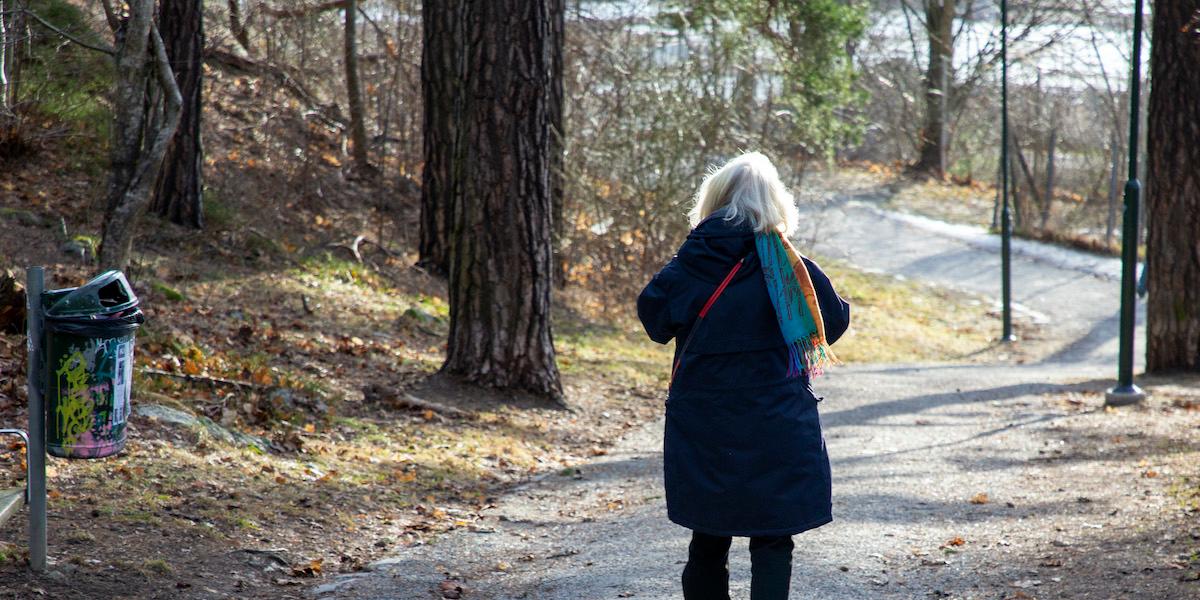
x,y
274,443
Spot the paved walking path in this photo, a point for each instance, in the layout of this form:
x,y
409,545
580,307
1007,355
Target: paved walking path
x,y
1072,295
911,446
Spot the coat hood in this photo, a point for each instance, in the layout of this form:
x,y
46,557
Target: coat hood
x,y
715,244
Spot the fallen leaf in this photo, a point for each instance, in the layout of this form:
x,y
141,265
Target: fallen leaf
x,y
261,376
312,569
451,589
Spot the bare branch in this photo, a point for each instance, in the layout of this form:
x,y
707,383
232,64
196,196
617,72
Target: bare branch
x,y
374,25
328,114
69,37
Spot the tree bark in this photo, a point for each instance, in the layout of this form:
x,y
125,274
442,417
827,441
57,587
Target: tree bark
x,y
556,41
238,26
1173,201
358,128
146,107
501,242
442,75
939,22
179,193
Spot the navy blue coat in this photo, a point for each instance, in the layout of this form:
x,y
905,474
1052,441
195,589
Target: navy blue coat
x,y
743,452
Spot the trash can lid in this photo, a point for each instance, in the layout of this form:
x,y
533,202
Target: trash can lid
x,y
107,294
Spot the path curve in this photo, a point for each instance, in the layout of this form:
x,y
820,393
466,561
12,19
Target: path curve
x,y
910,447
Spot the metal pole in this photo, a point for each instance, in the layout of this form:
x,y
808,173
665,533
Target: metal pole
x,y
36,459
1126,392
1005,214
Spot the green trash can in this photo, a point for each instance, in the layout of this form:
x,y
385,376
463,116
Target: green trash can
x,y
88,365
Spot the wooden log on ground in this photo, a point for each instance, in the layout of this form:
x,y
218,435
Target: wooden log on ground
x,y
383,395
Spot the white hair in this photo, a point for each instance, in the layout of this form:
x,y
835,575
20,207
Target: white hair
x,y
750,186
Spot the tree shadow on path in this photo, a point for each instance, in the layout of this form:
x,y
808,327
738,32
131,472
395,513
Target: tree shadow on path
x,y
912,405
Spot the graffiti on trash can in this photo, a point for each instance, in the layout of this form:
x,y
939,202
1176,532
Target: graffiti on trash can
x,y
75,404
92,404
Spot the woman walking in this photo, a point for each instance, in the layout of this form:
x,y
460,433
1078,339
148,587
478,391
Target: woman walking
x,y
753,321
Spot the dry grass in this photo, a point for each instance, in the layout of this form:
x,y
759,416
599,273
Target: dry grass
x,y
893,320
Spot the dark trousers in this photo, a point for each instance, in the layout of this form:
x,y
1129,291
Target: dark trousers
x,y
706,576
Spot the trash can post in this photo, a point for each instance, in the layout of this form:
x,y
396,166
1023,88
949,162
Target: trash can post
x,y
36,449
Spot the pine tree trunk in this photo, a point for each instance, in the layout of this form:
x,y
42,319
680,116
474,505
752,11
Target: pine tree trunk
x,y
178,195
939,22
358,128
1173,201
442,74
500,251
556,39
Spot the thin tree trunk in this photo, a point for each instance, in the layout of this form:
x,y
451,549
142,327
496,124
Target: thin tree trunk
x,y
1110,223
501,244
1173,244
238,26
1025,215
442,74
996,202
18,31
358,128
3,59
140,137
1018,212
179,193
939,22
1049,196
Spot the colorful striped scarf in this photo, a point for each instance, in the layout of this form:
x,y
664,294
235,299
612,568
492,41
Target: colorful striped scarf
x,y
796,308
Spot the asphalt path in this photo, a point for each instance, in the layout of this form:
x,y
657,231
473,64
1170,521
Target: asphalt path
x,y
910,446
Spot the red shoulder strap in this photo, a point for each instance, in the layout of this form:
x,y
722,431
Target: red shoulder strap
x,y
703,312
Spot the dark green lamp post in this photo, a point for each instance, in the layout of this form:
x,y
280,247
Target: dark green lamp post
x,y
1126,392
1005,214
